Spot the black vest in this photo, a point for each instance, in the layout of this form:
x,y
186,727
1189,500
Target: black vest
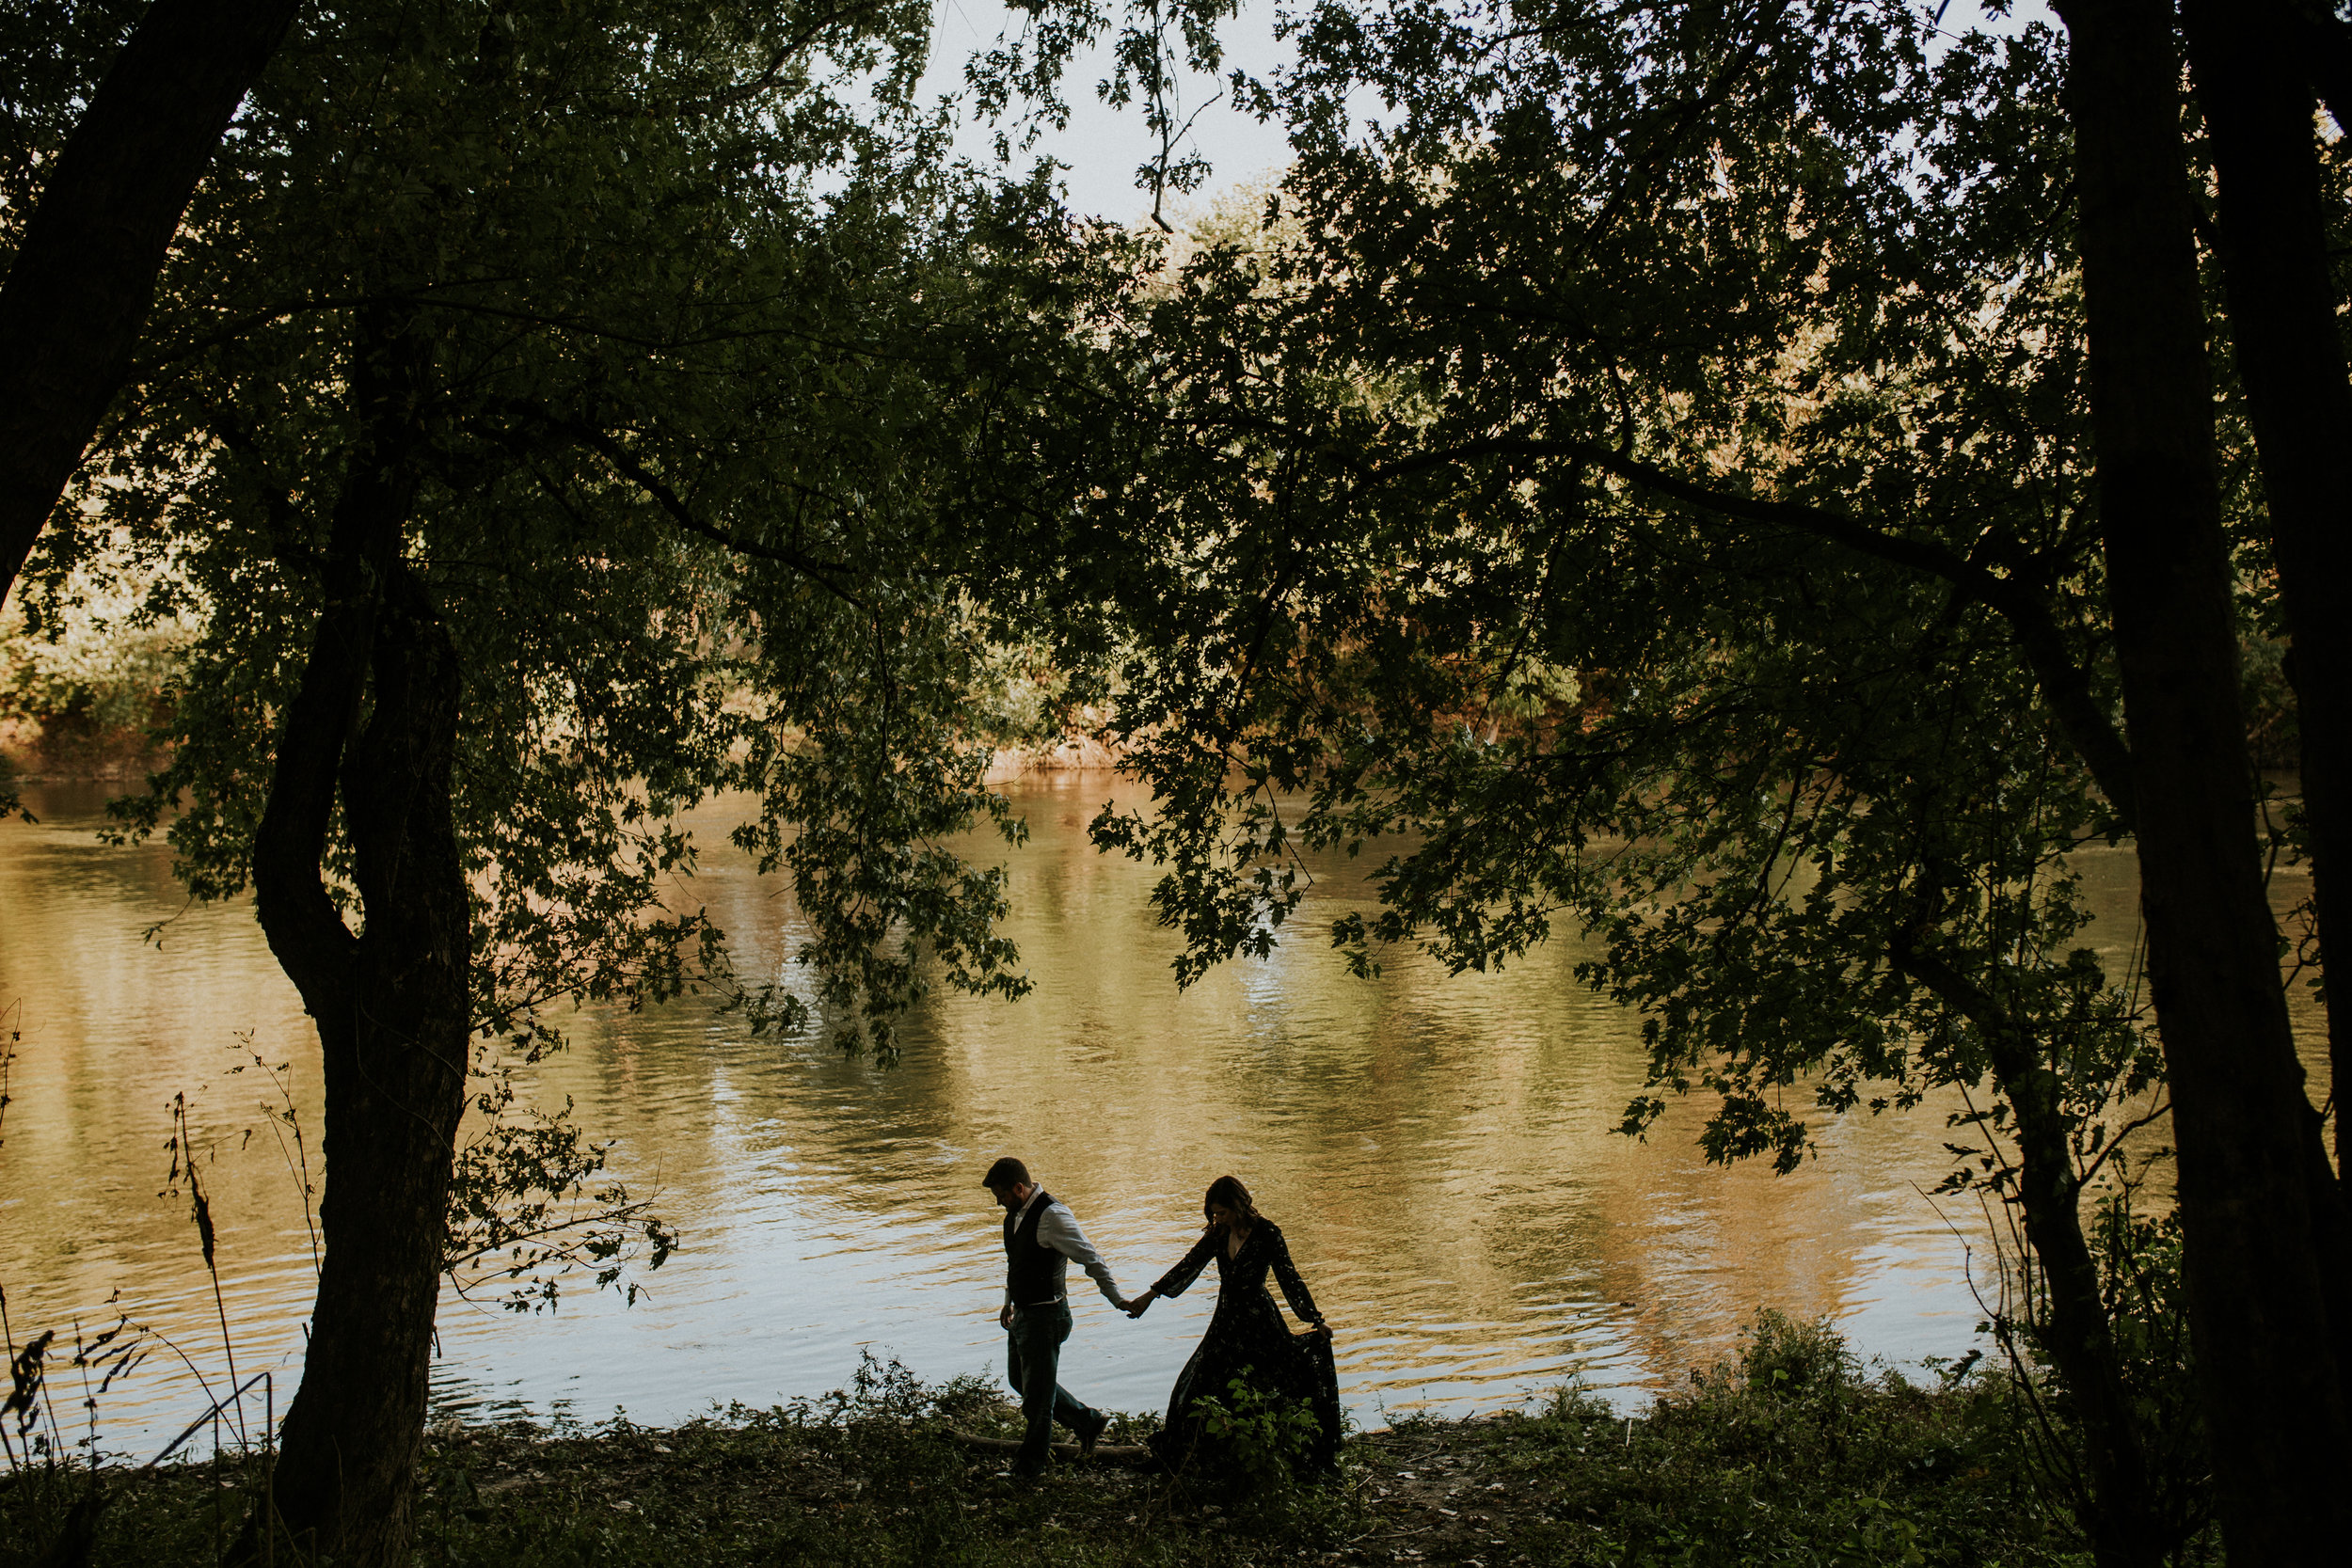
x,y
1029,1271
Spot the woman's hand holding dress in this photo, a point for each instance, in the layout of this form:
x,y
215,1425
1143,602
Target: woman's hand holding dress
x,y
1294,1288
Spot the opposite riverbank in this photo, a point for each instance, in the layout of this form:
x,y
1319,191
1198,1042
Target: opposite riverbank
x,y
1793,1454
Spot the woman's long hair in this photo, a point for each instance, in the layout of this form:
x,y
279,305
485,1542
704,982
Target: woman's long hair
x,y
1229,1190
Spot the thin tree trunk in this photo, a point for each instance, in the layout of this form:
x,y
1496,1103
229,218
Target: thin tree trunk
x,y
390,1004
2260,124
2125,1528
78,290
2265,1352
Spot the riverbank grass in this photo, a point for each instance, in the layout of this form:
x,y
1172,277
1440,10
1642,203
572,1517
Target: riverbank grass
x,y
1792,1454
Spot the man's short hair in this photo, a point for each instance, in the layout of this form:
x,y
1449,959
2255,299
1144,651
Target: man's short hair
x,y
1007,1172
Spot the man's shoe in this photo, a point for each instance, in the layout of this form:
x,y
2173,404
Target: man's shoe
x,y
1089,1432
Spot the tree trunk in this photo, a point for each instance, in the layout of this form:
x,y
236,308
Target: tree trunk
x,y
2265,1356
2124,1526
395,1088
2122,1522
2290,358
390,1004
78,290
2251,82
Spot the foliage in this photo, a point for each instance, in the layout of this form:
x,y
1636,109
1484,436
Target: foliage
x,y
1267,1435
2146,1306
55,50
677,305
1157,52
529,1199
33,1439
1821,1463
1251,1451
1643,484
1793,1453
90,661
678,327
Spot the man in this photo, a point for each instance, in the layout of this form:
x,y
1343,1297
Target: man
x,y
1041,1240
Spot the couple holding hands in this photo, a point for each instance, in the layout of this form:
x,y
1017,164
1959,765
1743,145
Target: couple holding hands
x,y
1246,1337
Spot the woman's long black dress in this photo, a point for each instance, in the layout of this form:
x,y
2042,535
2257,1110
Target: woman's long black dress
x,y
1248,1339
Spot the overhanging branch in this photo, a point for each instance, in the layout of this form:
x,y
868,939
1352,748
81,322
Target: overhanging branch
x,y
630,468
2065,686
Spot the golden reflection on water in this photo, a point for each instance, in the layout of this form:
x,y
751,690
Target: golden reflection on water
x,y
1438,1151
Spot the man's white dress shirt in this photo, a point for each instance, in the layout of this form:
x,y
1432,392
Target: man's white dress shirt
x,y
1058,1231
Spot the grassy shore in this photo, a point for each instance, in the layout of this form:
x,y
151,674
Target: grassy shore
x,y
1792,1454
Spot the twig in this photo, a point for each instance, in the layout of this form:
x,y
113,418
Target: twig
x,y
211,1411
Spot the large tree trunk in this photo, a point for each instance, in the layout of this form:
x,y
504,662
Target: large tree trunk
x,y
78,290
390,1004
395,1065
2266,1354
2259,123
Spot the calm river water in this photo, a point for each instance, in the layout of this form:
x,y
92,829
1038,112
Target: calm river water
x,y
1438,1151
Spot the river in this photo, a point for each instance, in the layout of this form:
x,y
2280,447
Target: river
x,y
1438,1151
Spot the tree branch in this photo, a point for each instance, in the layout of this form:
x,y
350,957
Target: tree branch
x,y
2065,686
627,464
305,930
78,292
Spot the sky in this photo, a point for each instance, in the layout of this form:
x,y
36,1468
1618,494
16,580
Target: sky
x,y
1103,145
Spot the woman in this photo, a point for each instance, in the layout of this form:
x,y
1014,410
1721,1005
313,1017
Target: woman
x,y
1246,1337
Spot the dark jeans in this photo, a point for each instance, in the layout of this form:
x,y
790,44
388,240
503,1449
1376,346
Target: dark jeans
x,y
1033,1359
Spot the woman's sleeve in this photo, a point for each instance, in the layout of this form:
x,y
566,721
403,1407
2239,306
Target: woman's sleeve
x,y
1294,1288
1172,1283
